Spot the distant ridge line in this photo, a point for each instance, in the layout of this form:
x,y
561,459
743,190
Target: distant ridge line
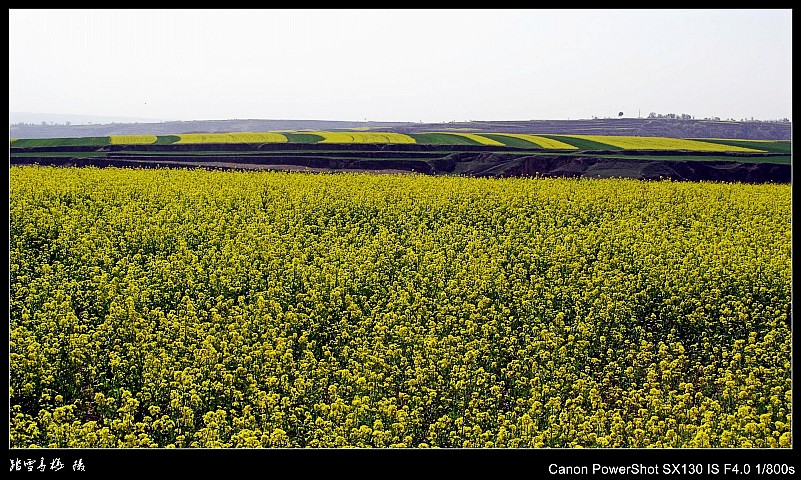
x,y
672,128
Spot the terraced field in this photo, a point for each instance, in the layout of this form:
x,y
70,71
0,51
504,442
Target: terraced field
x,y
362,137
660,143
132,139
451,152
60,142
479,139
237,137
537,141
774,146
513,140
581,143
442,139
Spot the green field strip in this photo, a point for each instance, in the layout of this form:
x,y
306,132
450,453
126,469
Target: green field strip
x,y
545,143
303,138
59,154
167,139
63,142
477,137
771,146
513,142
442,139
581,143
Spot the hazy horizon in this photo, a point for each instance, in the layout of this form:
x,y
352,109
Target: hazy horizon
x,y
401,65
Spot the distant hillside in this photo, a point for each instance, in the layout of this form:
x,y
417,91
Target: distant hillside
x,y
74,119
193,126
674,128
645,127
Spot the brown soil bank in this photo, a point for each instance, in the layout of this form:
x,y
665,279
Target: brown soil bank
x,y
479,165
718,171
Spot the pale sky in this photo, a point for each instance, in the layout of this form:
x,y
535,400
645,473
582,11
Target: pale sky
x,y
401,65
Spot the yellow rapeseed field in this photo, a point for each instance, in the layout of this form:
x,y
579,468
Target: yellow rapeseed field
x,y
237,137
473,136
363,137
541,141
190,308
661,143
132,139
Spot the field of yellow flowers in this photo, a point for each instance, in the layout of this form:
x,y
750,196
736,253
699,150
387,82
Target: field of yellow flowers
x,y
184,308
659,143
362,137
237,137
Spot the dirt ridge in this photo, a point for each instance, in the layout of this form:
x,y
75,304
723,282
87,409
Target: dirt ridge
x,y
463,163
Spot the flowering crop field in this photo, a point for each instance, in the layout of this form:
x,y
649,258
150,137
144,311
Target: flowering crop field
x,y
237,137
581,143
662,143
512,140
543,142
362,137
132,139
442,139
191,308
775,146
481,140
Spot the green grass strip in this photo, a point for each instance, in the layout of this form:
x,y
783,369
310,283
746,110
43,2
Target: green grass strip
x,y
59,154
303,137
63,142
167,139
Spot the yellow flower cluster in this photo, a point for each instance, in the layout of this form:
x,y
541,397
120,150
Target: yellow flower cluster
x,y
132,139
543,142
363,137
237,137
181,308
661,143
